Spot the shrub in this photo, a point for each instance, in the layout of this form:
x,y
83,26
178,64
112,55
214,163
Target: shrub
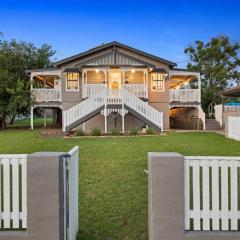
x,y
79,132
96,131
150,131
115,132
133,131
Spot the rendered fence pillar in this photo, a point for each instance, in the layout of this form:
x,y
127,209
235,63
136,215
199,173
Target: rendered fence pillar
x,y
166,196
44,196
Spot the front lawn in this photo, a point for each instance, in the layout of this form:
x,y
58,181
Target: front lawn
x,y
25,123
113,185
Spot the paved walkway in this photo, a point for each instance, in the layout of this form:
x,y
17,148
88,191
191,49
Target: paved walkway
x,y
186,130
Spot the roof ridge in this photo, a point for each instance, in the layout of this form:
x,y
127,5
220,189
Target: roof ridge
x,y
114,43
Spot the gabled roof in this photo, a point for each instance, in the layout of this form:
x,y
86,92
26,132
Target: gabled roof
x,y
114,44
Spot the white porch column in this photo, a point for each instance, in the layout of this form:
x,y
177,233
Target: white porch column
x,y
123,76
31,118
146,83
123,120
105,77
45,117
199,87
105,119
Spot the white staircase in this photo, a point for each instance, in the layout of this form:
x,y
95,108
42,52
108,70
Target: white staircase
x,y
107,97
84,110
144,111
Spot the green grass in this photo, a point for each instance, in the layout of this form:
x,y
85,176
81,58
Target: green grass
x,y
113,185
25,123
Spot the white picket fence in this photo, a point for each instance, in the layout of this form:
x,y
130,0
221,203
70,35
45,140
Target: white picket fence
x,y
70,174
13,191
212,193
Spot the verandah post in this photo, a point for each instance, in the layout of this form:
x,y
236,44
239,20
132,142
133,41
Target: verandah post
x,y
31,117
105,111
45,117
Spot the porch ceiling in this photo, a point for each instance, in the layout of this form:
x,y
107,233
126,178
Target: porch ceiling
x,y
178,80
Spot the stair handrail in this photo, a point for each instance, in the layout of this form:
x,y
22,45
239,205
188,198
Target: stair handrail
x,y
83,108
143,108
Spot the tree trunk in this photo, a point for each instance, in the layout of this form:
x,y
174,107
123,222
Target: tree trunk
x,y
12,120
2,123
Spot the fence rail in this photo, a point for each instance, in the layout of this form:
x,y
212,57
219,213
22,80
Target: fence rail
x,y
212,193
13,191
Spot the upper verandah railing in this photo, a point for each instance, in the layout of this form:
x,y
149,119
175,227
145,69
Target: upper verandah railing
x,y
139,90
90,90
47,95
184,95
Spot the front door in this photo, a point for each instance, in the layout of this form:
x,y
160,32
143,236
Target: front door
x,y
115,79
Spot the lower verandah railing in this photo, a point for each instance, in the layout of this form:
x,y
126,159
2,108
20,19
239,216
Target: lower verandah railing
x,y
212,194
13,191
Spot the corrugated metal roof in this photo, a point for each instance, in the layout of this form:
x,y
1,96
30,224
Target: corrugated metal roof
x,y
113,44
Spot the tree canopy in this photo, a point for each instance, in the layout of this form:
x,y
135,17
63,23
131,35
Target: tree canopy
x,y
15,58
219,62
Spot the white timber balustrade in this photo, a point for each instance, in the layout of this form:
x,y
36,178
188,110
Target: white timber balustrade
x,y
83,108
184,95
143,108
13,191
47,95
139,90
91,90
114,97
212,193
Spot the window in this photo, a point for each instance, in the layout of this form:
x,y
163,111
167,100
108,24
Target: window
x,y
158,82
72,81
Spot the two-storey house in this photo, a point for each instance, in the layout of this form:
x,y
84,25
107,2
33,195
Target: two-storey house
x,y
117,86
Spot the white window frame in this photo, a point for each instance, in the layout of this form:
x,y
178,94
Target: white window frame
x,y
164,81
66,82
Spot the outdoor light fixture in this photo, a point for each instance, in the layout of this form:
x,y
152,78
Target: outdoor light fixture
x,y
97,70
133,71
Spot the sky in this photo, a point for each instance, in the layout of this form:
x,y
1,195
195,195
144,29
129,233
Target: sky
x,y
162,28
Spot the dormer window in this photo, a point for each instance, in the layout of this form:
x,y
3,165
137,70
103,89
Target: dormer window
x,y
72,81
158,82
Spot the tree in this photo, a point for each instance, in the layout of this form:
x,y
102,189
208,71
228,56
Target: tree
x,y
15,58
219,62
